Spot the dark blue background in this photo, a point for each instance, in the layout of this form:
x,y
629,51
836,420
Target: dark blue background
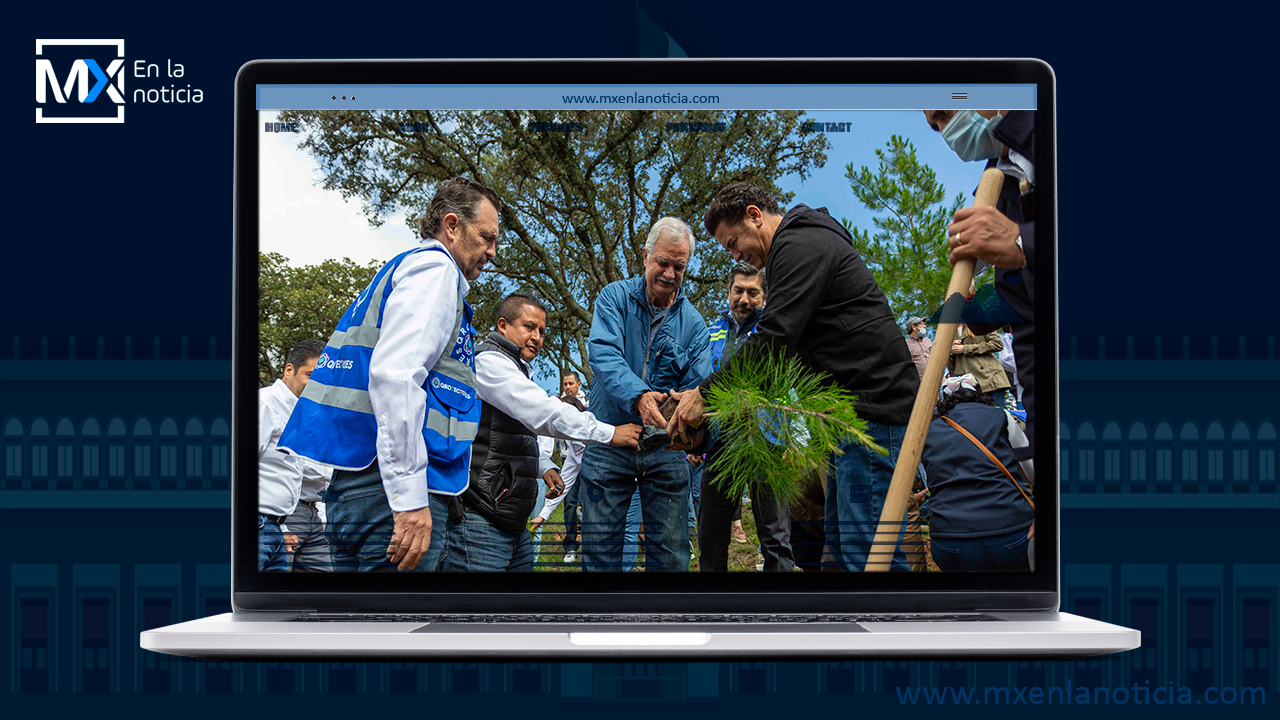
x,y
1166,222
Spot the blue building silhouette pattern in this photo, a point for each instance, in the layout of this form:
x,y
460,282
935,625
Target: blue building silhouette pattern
x,y
114,508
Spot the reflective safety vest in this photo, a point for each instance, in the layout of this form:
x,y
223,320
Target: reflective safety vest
x,y
333,422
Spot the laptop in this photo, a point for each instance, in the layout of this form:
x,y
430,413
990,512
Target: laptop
x,y
335,162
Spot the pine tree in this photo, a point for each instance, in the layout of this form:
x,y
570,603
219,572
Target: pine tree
x,y
778,421
906,250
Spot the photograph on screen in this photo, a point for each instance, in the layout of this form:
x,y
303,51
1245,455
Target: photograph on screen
x,y
644,340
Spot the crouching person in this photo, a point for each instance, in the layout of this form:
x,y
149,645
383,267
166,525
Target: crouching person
x,y
981,497
487,522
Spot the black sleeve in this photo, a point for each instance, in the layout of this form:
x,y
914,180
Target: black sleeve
x,y
1028,232
800,271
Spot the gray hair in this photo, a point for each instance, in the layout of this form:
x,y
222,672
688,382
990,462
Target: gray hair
x,y
671,228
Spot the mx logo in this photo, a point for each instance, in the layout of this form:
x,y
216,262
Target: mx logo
x,y
85,83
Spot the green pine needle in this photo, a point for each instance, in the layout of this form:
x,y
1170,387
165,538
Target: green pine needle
x,y
808,416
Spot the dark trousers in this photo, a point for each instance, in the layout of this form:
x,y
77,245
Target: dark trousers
x,y
716,514
570,507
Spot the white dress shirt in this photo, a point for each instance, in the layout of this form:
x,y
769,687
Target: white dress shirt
x,y
280,475
546,447
417,323
504,386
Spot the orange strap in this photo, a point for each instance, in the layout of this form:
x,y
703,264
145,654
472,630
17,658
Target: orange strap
x,y
990,457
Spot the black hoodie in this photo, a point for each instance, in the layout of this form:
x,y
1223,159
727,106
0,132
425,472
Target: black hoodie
x,y
825,308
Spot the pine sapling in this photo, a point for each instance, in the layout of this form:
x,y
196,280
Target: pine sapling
x,y
778,421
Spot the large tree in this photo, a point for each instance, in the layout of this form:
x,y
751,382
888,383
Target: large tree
x,y
577,202
907,252
298,303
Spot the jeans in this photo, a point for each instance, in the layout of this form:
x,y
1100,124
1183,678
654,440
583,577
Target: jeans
x,y
312,553
360,528
475,545
999,553
998,397
773,523
273,556
856,496
609,479
570,506
536,537
695,493
631,537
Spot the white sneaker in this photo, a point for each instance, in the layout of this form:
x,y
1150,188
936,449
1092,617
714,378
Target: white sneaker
x,y
571,557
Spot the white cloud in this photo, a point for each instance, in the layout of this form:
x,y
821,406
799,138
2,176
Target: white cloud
x,y
307,224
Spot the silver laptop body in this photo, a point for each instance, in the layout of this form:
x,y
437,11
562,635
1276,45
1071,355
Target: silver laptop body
x,y
615,615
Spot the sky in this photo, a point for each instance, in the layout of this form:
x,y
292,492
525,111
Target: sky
x,y
308,224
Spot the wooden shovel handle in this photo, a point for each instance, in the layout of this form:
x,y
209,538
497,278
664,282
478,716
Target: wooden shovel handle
x,y
904,472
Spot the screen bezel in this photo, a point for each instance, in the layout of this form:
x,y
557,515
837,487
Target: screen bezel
x,y
635,592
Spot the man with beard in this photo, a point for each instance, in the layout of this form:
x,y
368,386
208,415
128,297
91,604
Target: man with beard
x,y
747,297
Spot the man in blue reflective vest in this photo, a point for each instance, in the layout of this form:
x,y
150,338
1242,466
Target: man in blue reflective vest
x,y
392,403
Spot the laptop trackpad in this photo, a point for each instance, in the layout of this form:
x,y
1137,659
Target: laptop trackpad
x,y
639,639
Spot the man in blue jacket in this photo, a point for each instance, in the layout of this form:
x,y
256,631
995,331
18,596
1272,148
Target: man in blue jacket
x,y
646,339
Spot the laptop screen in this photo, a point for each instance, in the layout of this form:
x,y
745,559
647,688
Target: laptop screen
x,y
591,332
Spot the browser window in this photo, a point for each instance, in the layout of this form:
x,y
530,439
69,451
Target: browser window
x,y
642,236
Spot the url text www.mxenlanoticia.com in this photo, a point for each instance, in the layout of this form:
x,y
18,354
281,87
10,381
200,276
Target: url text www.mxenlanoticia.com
x,y
1144,694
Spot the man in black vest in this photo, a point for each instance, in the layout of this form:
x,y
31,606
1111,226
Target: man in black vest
x,y
487,522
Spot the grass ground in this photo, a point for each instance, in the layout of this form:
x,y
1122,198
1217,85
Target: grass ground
x,y
742,556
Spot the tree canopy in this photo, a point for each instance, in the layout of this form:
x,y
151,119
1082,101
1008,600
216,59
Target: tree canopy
x,y
297,303
577,202
907,252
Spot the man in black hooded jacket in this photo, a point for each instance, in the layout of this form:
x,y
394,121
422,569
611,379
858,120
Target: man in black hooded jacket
x,y
826,309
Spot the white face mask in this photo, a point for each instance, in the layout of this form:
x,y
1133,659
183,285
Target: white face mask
x,y
969,135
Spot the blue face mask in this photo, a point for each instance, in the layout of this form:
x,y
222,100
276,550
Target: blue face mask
x,y
969,135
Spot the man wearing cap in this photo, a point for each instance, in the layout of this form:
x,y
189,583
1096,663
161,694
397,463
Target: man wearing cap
x,y
918,343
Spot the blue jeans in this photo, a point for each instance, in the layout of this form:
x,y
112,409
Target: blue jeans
x,y
856,497
537,508
631,538
475,545
360,526
999,553
609,479
273,556
570,507
695,493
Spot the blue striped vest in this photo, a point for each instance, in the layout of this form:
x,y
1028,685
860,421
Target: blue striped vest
x,y
333,422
